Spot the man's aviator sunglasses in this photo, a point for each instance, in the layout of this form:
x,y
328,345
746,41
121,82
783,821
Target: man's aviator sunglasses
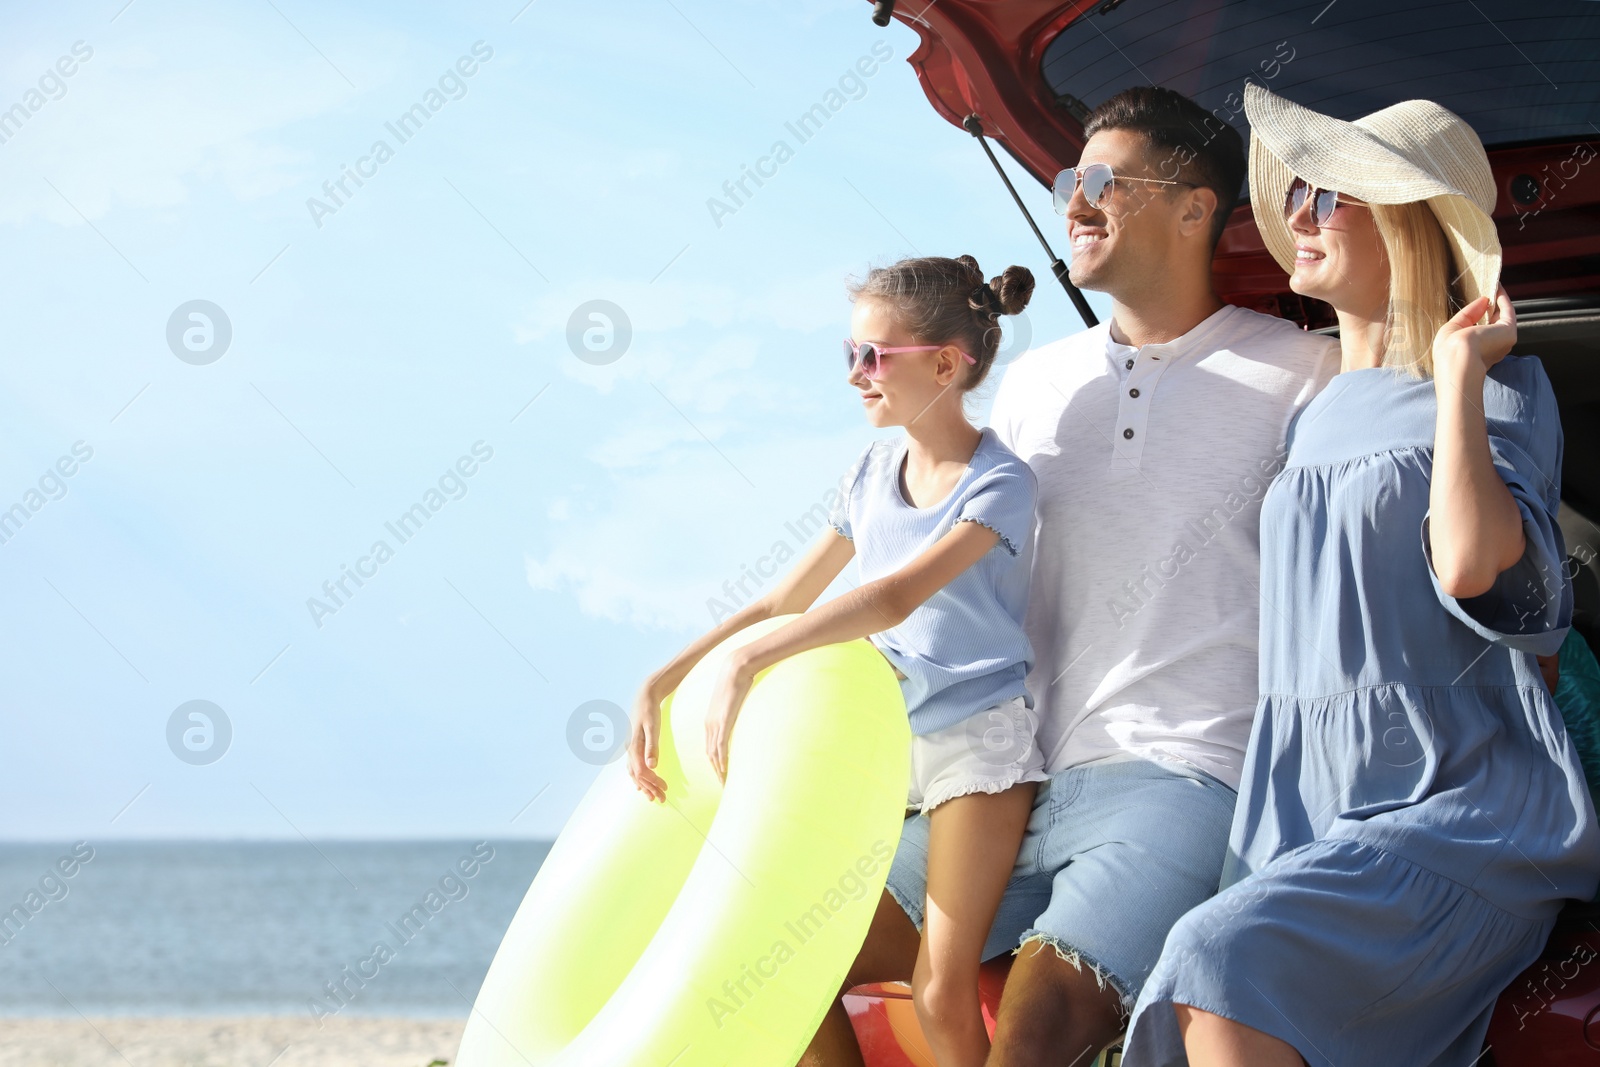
x,y
871,355
1098,182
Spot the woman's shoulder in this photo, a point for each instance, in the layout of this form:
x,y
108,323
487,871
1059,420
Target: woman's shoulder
x,y
1519,368
1524,421
1517,387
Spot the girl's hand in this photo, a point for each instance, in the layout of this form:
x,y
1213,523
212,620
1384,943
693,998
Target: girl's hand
x,y
723,710
1463,350
644,746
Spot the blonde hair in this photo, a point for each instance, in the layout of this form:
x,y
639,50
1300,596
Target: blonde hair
x,y
1423,290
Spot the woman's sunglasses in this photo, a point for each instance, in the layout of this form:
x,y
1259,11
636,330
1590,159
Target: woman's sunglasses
x,y
1098,183
871,355
1324,202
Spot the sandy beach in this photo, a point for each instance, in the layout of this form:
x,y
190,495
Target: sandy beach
x,y
224,1041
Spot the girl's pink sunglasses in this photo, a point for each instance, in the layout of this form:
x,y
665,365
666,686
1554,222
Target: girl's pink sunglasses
x,y
871,355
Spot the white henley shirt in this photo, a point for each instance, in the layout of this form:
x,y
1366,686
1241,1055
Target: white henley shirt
x,y
1151,462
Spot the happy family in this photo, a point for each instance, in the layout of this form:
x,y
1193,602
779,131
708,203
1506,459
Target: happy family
x,y
1219,642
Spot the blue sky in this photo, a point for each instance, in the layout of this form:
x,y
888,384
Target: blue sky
x,y
386,343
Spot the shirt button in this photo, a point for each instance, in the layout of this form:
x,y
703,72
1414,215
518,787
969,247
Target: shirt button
x,y
1134,393
1129,364
1128,432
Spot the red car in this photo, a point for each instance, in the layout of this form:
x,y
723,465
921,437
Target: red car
x,y
1526,75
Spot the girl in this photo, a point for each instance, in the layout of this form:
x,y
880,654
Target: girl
x,y
943,520
1413,814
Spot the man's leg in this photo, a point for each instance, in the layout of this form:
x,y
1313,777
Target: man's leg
x,y
1133,846
1053,1012
889,954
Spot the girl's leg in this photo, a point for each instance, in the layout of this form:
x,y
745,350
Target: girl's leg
x,y
1213,1041
972,847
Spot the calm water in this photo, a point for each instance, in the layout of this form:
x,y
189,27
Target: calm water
x,y
164,928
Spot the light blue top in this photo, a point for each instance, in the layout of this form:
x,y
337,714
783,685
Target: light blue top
x,y
963,650
1392,713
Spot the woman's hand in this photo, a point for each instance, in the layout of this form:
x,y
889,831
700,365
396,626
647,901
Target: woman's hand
x,y
644,746
723,710
1463,350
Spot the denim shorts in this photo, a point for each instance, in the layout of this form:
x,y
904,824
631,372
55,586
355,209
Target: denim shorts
x,y
1114,853
985,753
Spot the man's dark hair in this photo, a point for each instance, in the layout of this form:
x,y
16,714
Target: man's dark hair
x,y
1184,142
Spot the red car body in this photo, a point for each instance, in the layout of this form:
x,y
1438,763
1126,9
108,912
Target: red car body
x,y
1526,74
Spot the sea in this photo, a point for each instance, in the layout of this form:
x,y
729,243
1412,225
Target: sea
x,y
389,928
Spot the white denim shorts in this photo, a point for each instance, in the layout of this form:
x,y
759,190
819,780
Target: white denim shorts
x,y
988,752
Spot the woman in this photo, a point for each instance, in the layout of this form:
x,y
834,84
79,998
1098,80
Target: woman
x,y
1412,815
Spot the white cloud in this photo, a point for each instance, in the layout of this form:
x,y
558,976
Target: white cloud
x,y
655,547
707,347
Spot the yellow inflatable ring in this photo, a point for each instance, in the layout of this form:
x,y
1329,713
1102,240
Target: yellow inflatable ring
x,y
716,928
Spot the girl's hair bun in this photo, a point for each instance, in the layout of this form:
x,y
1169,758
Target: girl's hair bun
x,y
1012,289
1006,294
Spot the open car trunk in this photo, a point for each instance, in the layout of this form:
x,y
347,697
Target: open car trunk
x,y
1525,74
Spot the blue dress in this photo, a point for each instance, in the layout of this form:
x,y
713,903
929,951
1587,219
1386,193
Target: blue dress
x,y
1412,814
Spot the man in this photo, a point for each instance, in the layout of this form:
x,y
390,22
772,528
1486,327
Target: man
x,y
1153,437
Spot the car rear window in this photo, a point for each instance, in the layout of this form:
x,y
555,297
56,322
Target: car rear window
x,y
1518,71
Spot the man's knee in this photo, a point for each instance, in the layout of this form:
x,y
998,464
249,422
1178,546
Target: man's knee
x,y
1071,970
1055,999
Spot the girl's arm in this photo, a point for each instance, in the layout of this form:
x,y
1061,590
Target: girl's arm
x,y
874,607
821,563
1474,526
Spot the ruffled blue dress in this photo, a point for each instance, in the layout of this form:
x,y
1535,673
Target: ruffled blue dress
x,y
1412,814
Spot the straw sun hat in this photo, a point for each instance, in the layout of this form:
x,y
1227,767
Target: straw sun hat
x,y
1413,150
